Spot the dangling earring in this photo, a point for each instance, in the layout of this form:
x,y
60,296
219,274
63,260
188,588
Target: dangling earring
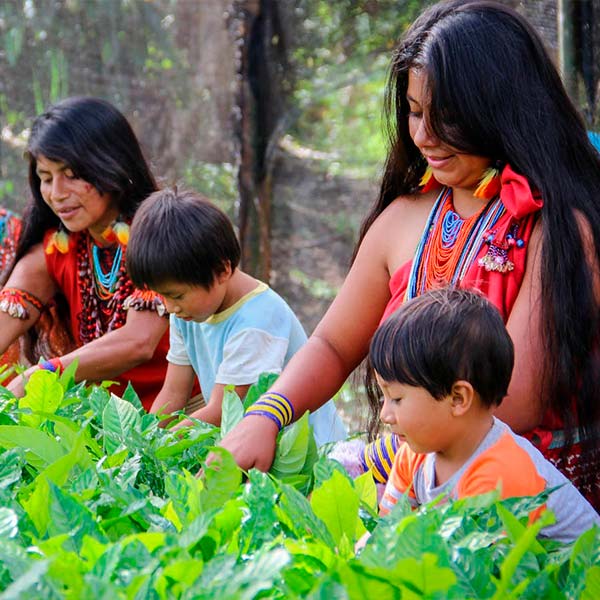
x,y
490,183
59,241
428,181
117,231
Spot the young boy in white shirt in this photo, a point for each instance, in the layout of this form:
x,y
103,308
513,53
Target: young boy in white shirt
x,y
226,327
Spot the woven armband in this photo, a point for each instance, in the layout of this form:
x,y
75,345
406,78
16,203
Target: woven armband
x,y
13,303
274,406
378,456
54,364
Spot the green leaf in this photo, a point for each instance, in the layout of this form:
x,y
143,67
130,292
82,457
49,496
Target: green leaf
x,y
222,479
119,419
232,411
264,383
592,584
43,393
292,447
130,395
8,522
336,503
40,448
67,377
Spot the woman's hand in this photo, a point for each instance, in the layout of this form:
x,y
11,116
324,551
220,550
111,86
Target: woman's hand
x,y
252,443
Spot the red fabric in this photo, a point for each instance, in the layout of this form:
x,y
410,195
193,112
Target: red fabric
x,y
147,378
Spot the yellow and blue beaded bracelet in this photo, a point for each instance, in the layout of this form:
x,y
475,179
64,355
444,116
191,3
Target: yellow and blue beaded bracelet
x,y
274,406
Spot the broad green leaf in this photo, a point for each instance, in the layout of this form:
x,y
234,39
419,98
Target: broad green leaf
x,y
336,503
11,466
37,507
592,584
232,411
130,395
119,420
8,522
264,383
40,448
22,587
222,479
292,447
43,394
367,491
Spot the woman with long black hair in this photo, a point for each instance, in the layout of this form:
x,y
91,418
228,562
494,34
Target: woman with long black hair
x,y
490,183
87,176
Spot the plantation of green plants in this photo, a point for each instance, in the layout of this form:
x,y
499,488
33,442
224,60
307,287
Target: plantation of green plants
x,y
97,501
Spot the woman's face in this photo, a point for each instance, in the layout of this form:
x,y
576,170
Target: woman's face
x,y
450,167
77,203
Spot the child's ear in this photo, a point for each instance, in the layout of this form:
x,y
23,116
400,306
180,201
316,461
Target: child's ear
x,y
225,274
462,395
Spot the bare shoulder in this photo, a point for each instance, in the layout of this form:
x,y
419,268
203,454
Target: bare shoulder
x,y
400,226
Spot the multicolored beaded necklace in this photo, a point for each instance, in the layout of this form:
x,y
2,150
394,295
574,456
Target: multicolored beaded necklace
x,y
449,243
104,288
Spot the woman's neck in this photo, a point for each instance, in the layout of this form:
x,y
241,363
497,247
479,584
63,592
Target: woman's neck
x,y
465,204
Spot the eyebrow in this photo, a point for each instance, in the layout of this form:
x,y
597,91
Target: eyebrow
x,y
64,167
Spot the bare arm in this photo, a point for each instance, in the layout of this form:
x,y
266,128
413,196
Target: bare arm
x,y
115,352
337,346
176,389
31,275
522,409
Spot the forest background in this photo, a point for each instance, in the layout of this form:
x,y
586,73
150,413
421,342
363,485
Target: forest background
x,y
271,108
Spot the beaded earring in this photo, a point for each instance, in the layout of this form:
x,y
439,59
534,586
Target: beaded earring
x,y
490,183
117,231
59,241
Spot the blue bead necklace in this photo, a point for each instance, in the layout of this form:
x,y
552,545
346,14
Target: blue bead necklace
x,y
108,280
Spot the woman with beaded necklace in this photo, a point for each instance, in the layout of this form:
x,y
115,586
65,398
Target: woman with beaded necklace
x,y
87,176
490,183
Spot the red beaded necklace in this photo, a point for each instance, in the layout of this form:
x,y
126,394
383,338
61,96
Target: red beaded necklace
x,y
100,314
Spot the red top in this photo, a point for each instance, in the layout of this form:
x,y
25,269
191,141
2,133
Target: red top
x,y
147,378
522,207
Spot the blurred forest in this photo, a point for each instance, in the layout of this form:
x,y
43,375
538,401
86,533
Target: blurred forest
x,y
269,107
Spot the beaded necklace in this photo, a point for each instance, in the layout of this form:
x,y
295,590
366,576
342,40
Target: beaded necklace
x,y
102,294
449,243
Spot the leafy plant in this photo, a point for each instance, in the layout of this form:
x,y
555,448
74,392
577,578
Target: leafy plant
x,y
96,500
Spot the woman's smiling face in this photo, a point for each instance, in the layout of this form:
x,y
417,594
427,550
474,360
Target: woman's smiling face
x,y
450,167
77,203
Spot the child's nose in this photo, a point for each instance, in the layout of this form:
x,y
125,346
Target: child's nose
x,y
387,414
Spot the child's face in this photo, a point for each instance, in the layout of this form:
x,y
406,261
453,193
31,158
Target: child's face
x,y
416,416
192,302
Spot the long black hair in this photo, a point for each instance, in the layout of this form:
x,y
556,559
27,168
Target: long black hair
x,y
97,143
495,92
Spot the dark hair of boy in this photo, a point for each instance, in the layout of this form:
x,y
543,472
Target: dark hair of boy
x,y
179,235
446,335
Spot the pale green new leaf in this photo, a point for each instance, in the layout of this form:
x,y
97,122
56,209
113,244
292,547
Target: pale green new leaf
x,y
292,447
232,411
43,394
41,449
592,584
336,503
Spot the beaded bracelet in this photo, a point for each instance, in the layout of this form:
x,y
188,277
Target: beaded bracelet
x,y
274,406
54,364
378,456
12,302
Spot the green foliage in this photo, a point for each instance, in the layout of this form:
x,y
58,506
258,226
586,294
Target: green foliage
x,y
96,500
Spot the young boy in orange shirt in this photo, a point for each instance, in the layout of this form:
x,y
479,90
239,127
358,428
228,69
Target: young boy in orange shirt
x,y
443,362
